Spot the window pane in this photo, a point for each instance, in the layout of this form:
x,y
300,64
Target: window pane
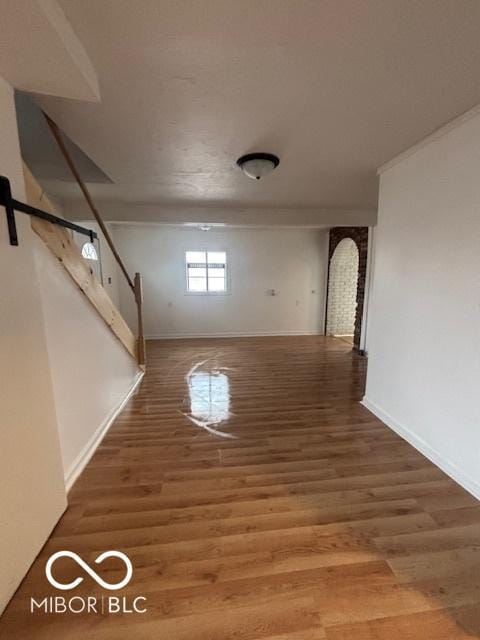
x,y
197,284
214,272
89,252
216,284
195,256
219,257
197,272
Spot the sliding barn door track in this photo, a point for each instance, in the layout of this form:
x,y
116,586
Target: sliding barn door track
x,y
11,205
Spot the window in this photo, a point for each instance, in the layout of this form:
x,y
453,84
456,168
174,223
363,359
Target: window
x,y
89,252
206,271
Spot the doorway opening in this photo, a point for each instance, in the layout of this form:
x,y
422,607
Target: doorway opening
x,y
347,267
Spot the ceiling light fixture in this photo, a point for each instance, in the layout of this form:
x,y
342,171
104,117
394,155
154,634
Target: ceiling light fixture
x,y
205,227
257,165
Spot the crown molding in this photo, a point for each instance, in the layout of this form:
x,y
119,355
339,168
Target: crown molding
x,y
435,135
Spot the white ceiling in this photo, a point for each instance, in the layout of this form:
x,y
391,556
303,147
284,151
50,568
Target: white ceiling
x,y
334,87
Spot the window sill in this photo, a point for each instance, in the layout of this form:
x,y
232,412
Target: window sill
x,y
207,293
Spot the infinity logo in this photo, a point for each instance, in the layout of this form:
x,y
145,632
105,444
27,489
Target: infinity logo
x,y
103,556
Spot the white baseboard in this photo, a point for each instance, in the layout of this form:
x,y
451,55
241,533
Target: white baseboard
x,y
448,467
257,334
89,449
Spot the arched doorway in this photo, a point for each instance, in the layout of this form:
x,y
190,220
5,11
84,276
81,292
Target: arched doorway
x,y
342,290
348,248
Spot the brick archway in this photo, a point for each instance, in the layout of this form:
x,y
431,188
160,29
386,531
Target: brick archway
x,y
360,236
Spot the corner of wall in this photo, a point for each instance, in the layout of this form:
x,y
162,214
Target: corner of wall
x,y
438,459
84,456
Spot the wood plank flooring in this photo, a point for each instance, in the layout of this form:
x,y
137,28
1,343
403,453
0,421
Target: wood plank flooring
x,y
257,499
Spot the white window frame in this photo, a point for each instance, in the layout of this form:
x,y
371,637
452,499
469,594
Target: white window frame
x,y
208,293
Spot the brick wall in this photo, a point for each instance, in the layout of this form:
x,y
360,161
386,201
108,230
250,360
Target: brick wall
x,y
342,301
360,236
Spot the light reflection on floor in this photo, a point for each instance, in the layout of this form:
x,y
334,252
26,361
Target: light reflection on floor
x,y
209,393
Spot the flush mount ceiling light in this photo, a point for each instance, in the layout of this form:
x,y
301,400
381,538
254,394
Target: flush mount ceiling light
x,y
257,165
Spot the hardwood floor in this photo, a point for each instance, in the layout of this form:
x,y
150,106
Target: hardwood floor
x,y
256,498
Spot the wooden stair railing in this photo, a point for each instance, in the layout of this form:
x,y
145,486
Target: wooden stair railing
x,y
60,242
141,351
52,229
136,284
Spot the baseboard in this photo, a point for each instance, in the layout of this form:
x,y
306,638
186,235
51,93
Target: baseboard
x,y
448,467
258,334
89,449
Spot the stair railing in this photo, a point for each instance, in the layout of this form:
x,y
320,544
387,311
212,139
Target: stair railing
x,y
135,284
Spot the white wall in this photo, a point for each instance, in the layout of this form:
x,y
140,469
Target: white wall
x,y
92,372
292,261
342,289
424,320
32,493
